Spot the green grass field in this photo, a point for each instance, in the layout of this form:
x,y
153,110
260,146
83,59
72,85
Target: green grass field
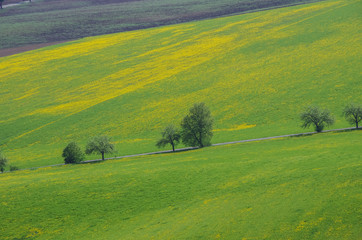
x,y
45,21
255,71
291,188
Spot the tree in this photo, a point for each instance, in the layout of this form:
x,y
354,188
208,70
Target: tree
x,y
169,136
319,118
1,4
3,162
72,153
99,144
197,126
13,168
353,113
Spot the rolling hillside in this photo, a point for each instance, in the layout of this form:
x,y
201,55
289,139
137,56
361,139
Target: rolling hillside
x,y
255,71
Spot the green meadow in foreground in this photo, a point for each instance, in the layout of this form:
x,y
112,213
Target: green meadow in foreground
x,y
256,72
291,188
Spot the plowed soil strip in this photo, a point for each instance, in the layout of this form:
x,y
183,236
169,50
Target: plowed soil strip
x,y
12,51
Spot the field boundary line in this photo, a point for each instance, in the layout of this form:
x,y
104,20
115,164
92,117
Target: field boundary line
x,y
193,148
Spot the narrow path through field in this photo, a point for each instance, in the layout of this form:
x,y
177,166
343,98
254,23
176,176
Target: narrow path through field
x,y
16,4
192,148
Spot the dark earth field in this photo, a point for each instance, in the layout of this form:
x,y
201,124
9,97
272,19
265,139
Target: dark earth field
x,y
40,22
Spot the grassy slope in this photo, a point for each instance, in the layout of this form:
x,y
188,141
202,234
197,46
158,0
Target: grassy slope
x,y
255,71
293,188
58,20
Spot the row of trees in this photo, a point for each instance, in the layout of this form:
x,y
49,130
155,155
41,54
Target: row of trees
x,y
196,130
196,127
320,118
4,162
72,153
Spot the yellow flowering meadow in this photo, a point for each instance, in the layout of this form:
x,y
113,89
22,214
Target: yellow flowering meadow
x,y
255,71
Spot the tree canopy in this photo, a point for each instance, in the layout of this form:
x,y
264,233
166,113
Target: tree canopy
x,y
353,113
99,144
72,153
3,161
197,126
317,117
170,135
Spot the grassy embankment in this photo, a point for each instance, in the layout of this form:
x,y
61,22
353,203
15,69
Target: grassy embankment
x,y
256,72
293,188
45,21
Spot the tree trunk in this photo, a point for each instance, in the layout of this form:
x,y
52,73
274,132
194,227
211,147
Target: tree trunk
x,y
173,147
103,156
1,5
356,124
201,145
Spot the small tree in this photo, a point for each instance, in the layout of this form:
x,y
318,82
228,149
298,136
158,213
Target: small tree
x,y
13,168
197,126
72,153
353,113
314,116
99,144
169,136
3,162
